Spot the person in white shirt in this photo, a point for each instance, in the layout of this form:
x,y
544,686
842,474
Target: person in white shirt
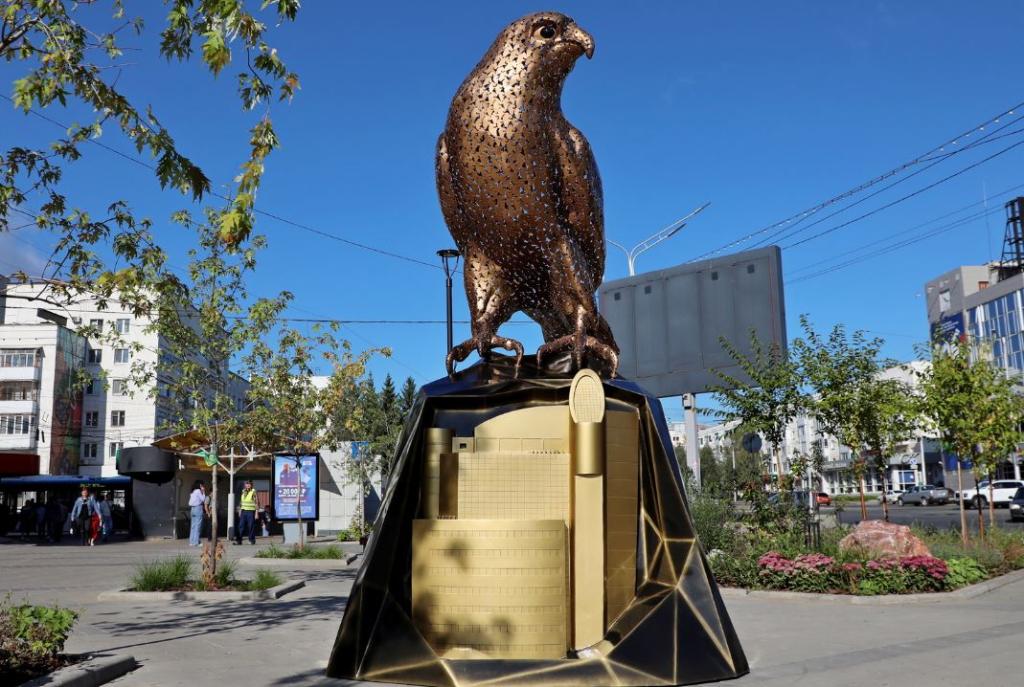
x,y
197,507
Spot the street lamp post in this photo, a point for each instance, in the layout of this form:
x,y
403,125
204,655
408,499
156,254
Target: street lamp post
x,y
447,255
651,241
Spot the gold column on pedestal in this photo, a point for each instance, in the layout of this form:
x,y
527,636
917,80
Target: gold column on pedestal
x,y
586,407
438,441
621,505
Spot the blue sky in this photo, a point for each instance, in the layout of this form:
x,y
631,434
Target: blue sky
x,y
764,109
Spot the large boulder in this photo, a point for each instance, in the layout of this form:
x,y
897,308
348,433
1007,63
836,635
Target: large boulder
x,y
882,539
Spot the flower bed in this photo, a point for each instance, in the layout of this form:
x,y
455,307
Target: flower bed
x,y
766,548
818,573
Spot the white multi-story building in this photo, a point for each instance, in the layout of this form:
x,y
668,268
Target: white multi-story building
x,y
114,413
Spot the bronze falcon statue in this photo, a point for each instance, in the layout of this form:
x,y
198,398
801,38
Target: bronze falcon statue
x,y
521,195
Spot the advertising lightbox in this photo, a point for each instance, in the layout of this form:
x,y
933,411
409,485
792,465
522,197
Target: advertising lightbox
x,y
295,487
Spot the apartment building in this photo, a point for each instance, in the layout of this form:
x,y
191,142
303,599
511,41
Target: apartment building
x,y
114,414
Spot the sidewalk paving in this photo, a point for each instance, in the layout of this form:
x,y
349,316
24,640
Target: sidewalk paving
x,y
287,642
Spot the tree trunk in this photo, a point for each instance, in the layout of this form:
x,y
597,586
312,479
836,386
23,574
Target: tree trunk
x,y
778,465
298,502
981,513
885,501
963,511
863,503
213,521
991,503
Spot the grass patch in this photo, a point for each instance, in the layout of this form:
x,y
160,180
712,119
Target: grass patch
x,y
158,576
329,552
176,574
264,579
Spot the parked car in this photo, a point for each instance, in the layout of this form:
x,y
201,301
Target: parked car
x,y
1017,505
824,499
923,495
1003,491
890,496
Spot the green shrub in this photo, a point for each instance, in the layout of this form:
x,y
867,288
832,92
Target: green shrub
x,y
711,518
964,571
165,575
225,575
264,579
272,551
32,639
331,551
735,570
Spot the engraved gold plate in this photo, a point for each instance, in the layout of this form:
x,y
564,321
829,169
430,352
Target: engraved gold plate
x,y
490,588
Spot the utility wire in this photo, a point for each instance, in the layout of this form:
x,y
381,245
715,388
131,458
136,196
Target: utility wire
x,y
785,233
861,187
894,247
903,198
817,263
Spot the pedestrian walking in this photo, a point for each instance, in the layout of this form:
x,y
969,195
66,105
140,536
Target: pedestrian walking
x,y
197,505
247,521
41,530
25,517
106,517
54,519
82,514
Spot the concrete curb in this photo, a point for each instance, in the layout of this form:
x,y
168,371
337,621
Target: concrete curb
x,y
969,592
261,595
297,563
95,671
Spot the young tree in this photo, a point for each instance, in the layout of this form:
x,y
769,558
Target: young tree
x,y
288,409
769,401
749,467
841,371
407,398
205,322
890,414
66,52
973,406
711,474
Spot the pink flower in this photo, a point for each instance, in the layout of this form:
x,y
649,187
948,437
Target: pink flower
x,y
852,567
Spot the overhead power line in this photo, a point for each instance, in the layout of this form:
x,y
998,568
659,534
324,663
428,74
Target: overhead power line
x,y
985,213
800,216
784,233
932,233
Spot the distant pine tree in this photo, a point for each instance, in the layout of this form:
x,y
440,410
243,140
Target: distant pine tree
x,y
407,398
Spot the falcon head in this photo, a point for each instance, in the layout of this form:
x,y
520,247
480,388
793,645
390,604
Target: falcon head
x,y
549,43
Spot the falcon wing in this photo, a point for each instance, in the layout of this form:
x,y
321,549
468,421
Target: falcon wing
x,y
581,199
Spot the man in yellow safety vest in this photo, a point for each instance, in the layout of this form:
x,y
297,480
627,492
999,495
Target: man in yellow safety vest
x,y
247,514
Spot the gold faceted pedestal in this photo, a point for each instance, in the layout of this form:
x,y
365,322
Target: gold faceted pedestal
x,y
535,535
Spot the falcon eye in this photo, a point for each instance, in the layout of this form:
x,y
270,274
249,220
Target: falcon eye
x,y
547,31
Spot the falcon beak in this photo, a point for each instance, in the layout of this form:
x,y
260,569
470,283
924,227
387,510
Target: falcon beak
x,y
575,34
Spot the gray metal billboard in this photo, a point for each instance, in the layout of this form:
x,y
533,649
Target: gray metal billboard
x,y
668,322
